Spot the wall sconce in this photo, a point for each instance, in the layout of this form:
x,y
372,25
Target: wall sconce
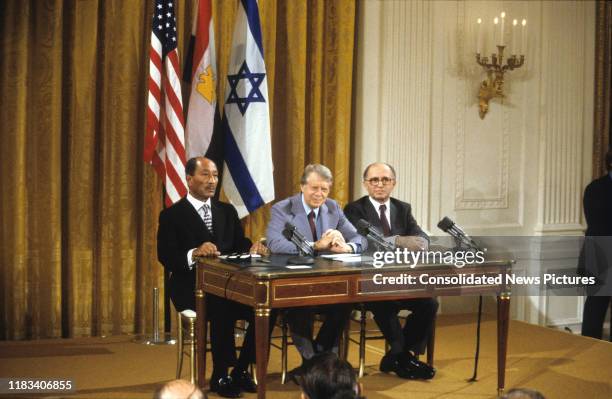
x,y
493,85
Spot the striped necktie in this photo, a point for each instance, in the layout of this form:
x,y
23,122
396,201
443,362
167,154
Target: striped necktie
x,y
207,217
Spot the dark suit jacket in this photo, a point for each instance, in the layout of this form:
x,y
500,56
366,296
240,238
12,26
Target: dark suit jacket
x,y
402,221
180,229
598,207
596,255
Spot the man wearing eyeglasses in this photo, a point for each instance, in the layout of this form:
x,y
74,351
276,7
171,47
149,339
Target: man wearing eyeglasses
x,y
394,220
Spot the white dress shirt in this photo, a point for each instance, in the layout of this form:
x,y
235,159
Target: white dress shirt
x,y
197,204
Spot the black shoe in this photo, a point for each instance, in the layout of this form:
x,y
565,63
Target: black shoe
x,y
296,374
224,386
243,380
390,363
419,369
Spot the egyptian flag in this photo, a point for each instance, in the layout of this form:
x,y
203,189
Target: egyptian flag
x,y
203,136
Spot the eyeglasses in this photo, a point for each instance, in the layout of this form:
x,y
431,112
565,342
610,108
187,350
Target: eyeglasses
x,y
375,180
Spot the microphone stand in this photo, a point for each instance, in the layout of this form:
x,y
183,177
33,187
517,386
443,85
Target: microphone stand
x,y
380,244
302,258
477,354
305,253
371,233
465,243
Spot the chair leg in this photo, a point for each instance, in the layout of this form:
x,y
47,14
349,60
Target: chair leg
x,y
284,333
343,341
253,373
192,351
179,346
362,341
431,344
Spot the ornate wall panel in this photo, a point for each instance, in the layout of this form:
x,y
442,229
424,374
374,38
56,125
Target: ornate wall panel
x,y
566,85
520,170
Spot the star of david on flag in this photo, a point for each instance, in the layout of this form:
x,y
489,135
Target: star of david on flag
x,y
248,171
245,81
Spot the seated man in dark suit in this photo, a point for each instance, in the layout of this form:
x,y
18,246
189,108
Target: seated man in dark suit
x,y
321,221
199,225
394,219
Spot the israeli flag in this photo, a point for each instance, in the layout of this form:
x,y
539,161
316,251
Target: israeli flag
x,y
248,172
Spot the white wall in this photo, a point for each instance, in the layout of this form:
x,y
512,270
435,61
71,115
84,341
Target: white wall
x,y
522,169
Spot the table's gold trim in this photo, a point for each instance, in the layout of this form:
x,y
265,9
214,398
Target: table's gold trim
x,y
267,285
262,312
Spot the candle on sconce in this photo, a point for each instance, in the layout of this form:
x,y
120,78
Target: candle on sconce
x,y
479,35
524,36
495,22
513,37
503,18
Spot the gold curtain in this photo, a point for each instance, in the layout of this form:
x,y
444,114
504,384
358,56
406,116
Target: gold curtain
x,y
602,130
78,206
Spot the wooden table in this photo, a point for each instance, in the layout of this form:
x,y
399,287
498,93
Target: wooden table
x,y
266,286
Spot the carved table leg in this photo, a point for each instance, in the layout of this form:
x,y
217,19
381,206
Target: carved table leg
x,y
503,314
262,344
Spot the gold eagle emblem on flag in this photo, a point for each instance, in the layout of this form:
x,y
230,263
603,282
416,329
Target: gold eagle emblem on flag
x,y
206,85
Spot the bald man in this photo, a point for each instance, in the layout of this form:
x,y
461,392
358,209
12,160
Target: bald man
x,y
394,219
176,389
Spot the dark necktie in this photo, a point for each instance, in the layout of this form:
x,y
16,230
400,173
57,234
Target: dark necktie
x,y
384,221
313,227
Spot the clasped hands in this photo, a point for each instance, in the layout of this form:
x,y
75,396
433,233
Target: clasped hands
x,y
209,249
412,243
332,240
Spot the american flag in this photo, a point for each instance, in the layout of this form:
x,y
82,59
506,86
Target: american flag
x,y
165,138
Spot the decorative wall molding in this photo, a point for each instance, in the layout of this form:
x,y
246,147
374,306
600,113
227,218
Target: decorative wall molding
x,y
520,171
406,97
465,92
563,81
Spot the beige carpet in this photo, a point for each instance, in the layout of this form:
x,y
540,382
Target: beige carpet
x,y
558,364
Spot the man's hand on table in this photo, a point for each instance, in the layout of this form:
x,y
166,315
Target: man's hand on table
x,y
206,249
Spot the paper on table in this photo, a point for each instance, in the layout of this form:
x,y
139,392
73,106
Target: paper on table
x,y
340,256
352,259
298,267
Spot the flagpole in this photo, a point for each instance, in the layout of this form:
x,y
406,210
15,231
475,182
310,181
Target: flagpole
x,y
154,338
165,106
167,318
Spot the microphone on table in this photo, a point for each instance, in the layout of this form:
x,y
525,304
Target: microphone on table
x,y
292,234
367,230
461,238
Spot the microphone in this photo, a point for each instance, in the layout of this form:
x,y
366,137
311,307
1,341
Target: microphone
x,y
462,239
366,229
292,234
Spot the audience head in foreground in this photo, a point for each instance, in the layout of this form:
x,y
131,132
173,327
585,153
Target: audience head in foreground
x,y
522,393
328,377
178,389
